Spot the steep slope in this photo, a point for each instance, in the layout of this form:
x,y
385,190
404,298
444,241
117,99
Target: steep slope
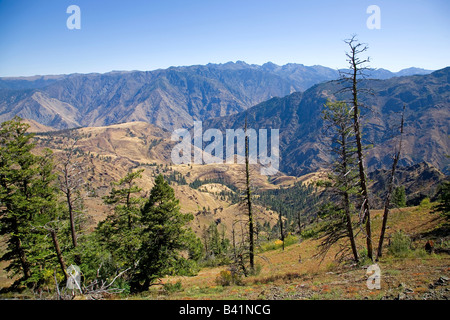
x,y
169,98
298,116
420,180
108,153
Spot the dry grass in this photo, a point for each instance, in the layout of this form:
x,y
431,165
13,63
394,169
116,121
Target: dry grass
x,y
295,274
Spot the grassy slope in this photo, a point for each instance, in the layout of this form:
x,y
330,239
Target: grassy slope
x,y
284,277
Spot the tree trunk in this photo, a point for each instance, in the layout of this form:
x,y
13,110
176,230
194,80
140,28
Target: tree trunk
x,y
390,188
72,218
281,228
249,202
300,222
362,175
58,253
347,201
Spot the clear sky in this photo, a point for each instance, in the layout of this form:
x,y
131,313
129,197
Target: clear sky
x,y
147,35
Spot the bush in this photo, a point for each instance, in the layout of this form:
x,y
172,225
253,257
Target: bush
x,y
309,233
400,244
425,203
172,287
228,278
277,244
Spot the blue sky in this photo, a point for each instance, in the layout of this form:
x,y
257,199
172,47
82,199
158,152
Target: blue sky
x,y
147,35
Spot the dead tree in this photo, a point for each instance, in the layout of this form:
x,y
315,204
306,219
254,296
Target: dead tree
x,y
390,188
357,69
71,180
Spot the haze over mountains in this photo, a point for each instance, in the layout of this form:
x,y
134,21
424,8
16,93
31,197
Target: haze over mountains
x,y
169,98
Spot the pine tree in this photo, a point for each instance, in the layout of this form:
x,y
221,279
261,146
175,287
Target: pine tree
x,y
399,197
27,202
120,232
342,179
126,206
164,237
249,202
443,205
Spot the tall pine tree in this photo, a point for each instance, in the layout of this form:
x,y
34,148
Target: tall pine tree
x,y
27,202
165,236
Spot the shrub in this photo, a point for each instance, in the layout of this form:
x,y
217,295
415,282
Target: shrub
x,y
172,287
425,203
309,233
400,244
277,244
228,278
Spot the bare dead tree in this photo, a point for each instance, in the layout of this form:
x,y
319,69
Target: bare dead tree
x,y
390,187
97,289
58,252
357,71
71,180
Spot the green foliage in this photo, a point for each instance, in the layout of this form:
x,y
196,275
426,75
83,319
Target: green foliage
x,y
443,206
169,288
425,203
310,233
27,204
400,244
120,232
176,177
399,197
295,202
216,246
163,238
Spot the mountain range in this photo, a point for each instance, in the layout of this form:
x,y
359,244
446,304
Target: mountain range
x,y
302,137
169,98
289,98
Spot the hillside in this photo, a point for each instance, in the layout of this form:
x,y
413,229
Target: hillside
x,y
108,153
169,98
298,116
295,274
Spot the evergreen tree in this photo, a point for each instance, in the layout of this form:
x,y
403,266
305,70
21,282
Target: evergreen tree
x,y
120,232
27,202
357,68
342,179
164,237
399,197
216,244
443,205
